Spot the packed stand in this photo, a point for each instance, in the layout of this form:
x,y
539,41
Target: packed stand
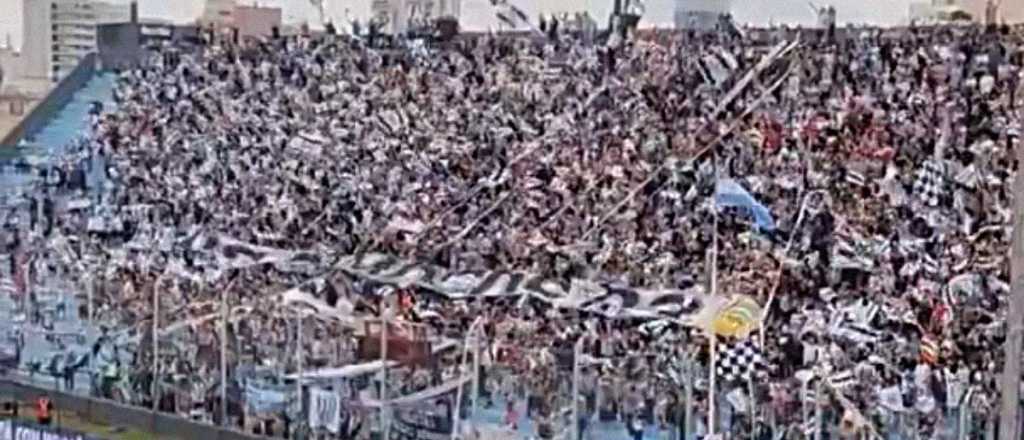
x,y
885,158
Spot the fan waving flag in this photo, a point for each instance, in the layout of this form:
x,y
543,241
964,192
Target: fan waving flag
x,y
930,185
740,361
730,193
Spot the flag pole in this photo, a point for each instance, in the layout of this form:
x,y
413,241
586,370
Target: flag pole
x,y
224,355
713,281
577,352
456,412
818,410
711,389
753,406
385,416
156,343
476,381
298,360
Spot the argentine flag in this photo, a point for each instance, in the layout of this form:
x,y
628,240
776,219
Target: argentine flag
x,y
729,193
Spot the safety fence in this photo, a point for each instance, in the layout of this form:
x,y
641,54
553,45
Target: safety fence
x,y
748,411
11,429
106,412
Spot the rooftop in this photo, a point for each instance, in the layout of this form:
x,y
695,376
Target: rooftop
x,y
32,91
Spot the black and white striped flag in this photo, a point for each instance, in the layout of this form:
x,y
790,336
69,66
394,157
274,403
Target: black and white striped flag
x,y
510,14
855,332
718,66
854,178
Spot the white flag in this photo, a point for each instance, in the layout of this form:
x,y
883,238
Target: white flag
x,y
324,411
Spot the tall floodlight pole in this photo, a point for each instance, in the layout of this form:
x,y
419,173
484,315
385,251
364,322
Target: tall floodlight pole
x,y
1008,423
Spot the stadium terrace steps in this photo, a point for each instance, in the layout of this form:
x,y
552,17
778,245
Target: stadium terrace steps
x,y
69,124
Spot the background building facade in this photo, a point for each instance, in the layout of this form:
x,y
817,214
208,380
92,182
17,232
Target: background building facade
x,y
219,12
256,21
699,14
398,14
1008,11
250,19
59,33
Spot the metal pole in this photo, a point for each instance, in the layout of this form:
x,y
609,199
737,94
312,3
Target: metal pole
x,y
753,408
688,394
298,361
90,286
577,352
819,412
963,416
713,288
224,356
476,379
155,391
385,415
1015,318
456,416
458,394
804,410
712,389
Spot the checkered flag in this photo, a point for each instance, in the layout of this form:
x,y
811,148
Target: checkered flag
x,y
740,360
930,184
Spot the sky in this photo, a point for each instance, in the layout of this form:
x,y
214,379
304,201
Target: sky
x,y
478,15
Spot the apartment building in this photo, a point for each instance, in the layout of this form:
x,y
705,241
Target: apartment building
x,y
219,13
250,19
58,33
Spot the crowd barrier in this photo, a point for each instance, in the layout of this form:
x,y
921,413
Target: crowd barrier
x,y
21,430
114,414
603,415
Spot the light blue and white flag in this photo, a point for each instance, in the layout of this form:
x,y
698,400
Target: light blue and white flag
x,y
730,193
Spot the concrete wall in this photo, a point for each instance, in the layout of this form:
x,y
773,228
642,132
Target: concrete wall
x,y
110,413
54,101
1010,11
13,65
118,45
253,21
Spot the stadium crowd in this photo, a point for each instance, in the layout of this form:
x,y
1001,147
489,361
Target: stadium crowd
x,y
885,159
